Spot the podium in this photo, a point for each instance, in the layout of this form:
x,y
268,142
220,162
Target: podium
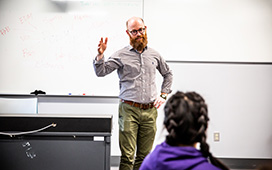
x,y
50,142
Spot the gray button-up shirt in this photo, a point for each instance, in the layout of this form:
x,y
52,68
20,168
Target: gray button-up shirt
x,y
137,73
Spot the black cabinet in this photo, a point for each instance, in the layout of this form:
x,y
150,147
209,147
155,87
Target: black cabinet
x,y
75,143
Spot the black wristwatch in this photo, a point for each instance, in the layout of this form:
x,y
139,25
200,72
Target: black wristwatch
x,y
164,96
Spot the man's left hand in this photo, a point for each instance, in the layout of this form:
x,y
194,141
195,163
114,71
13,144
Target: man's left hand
x,y
159,101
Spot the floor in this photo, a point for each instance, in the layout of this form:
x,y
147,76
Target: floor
x,y
116,168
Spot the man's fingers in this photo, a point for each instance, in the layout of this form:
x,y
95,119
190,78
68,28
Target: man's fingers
x,y
106,40
158,105
102,42
102,45
158,102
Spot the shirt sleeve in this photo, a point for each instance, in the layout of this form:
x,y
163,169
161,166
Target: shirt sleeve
x,y
103,68
167,75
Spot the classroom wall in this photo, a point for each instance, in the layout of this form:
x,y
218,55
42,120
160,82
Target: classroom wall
x,y
221,49
211,30
239,102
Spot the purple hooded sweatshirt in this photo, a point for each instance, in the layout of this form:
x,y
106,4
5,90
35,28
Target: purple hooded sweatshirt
x,y
166,157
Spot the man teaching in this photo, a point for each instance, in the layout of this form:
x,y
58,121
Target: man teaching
x,y
136,65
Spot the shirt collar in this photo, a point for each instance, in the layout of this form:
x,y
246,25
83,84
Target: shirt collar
x,y
132,49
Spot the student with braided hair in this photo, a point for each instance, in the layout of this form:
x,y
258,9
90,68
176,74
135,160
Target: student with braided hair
x,y
186,120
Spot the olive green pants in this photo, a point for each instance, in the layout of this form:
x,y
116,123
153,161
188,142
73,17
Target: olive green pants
x,y
137,128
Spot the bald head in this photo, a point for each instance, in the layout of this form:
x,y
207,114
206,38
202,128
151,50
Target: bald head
x,y
134,21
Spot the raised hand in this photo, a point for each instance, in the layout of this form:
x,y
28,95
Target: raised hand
x,y
102,45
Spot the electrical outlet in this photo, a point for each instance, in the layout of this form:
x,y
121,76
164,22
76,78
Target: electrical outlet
x,y
216,136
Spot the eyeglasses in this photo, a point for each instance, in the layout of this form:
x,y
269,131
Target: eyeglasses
x,y
135,32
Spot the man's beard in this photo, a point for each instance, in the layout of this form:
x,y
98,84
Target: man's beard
x,y
139,45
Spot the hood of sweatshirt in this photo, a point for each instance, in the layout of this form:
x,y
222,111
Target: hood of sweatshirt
x,y
166,157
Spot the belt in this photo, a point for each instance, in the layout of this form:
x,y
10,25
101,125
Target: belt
x,y
139,105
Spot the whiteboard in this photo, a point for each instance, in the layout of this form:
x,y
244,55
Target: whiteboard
x,y
50,45
210,30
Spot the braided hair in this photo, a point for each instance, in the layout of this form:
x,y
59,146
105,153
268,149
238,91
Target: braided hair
x,y
186,120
